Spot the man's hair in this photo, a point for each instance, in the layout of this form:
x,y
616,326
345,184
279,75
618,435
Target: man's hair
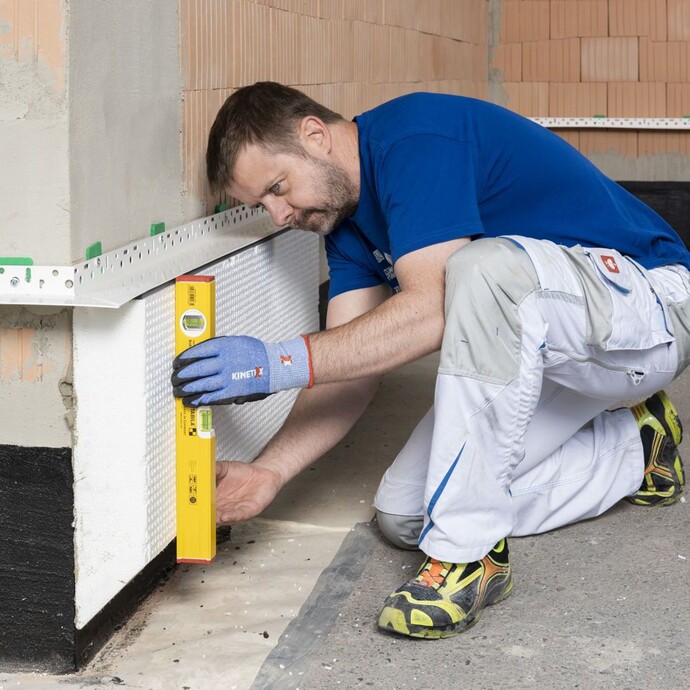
x,y
266,114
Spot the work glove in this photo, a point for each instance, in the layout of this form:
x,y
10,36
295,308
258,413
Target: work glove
x,y
238,369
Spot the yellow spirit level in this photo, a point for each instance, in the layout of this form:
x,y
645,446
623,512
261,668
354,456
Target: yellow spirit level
x,y
195,316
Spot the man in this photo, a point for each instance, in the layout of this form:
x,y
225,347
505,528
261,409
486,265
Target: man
x,y
551,291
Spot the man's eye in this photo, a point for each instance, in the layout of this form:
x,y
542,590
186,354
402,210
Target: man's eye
x,y
275,188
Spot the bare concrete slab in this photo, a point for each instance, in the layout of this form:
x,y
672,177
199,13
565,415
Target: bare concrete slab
x,y
600,604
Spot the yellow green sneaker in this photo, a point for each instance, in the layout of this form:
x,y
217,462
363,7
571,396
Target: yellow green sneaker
x,y
446,598
661,433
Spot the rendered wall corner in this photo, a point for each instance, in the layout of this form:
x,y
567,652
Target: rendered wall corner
x,y
34,188
125,121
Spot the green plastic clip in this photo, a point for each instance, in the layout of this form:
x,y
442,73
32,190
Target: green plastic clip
x,y
16,260
156,229
599,116
94,250
221,207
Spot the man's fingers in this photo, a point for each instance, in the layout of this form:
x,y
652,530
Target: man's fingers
x,y
207,348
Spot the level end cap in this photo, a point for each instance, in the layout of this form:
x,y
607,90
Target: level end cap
x,y
195,279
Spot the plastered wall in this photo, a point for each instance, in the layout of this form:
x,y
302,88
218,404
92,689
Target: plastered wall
x,y
348,54
35,371
90,144
35,376
124,120
34,146
581,58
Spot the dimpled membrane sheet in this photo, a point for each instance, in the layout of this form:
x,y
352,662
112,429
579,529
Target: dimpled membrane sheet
x,y
269,291
159,335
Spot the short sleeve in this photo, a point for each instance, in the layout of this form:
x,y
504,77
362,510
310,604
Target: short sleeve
x,y
427,185
349,264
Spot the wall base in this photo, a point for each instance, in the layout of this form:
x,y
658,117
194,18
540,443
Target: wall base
x,y
37,585
37,631
671,200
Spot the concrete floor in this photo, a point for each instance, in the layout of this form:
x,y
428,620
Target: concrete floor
x,y
601,604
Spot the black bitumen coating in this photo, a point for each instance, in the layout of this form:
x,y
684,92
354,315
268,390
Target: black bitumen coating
x,y
36,559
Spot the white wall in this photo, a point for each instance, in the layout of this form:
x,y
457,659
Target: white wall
x,y
124,459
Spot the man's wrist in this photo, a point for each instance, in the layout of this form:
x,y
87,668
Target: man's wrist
x,y
277,467
289,364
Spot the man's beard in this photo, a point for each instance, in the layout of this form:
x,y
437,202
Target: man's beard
x,y
340,197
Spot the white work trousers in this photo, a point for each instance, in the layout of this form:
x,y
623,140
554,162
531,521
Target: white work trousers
x,y
539,341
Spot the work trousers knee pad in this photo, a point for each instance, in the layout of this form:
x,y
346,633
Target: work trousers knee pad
x,y
486,281
401,530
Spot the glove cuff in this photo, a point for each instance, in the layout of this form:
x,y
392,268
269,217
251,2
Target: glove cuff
x,y
289,364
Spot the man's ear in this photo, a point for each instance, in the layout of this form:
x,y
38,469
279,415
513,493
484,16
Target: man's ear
x,y
315,136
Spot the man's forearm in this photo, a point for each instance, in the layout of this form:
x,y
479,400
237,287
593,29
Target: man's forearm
x,y
400,330
320,417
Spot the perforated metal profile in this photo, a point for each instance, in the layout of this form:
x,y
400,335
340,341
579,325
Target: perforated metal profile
x,y
118,276
661,123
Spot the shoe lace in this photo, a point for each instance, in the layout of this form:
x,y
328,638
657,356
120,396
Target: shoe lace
x,y
433,573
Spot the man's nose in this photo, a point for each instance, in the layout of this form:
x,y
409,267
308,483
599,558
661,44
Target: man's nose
x,y
279,210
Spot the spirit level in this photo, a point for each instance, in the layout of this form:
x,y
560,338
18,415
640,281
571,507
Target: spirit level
x,y
195,299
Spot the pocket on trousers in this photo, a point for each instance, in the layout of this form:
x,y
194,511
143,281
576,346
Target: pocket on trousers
x,y
639,320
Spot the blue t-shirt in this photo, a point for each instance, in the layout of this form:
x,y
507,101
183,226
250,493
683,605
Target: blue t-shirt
x,y
436,167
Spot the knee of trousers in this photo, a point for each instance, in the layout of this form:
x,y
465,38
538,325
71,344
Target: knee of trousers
x,y
486,281
401,530
488,262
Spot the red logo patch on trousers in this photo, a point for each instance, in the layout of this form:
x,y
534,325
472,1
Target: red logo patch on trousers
x,y
610,263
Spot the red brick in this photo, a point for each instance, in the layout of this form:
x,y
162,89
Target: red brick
x,y
528,98
637,99
679,20
610,59
638,18
580,18
577,100
622,142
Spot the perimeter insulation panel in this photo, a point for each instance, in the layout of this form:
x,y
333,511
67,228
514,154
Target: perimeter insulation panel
x,y
125,450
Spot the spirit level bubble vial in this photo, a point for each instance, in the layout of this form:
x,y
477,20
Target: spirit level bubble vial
x,y
195,306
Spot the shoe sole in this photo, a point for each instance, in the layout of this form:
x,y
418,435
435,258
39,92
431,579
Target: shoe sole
x,y
668,416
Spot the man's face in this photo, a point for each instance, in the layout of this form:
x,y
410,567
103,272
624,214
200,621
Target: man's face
x,y
306,193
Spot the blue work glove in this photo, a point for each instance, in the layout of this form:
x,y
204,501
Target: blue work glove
x,y
238,369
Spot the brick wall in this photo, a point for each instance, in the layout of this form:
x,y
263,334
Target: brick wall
x,y
348,54
581,58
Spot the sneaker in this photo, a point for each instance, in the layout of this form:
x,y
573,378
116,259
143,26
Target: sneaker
x,y
661,433
446,598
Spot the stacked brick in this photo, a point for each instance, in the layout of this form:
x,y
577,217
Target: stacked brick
x,y
348,54
581,58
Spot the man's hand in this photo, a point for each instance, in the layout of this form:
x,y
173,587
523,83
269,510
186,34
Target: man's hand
x,y
243,490
238,369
